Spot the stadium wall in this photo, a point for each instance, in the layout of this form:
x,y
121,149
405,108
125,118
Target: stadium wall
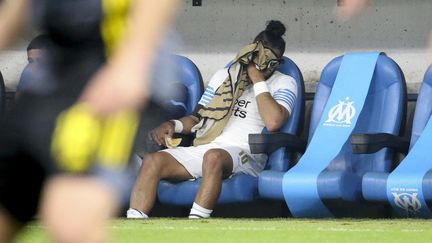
x,y
212,33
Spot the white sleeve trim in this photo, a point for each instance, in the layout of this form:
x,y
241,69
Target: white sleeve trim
x,y
284,91
217,79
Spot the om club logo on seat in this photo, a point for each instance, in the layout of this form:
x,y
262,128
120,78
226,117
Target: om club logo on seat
x,y
341,114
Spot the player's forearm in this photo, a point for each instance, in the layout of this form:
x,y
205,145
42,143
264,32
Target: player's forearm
x,y
272,113
350,8
149,21
12,20
123,84
188,123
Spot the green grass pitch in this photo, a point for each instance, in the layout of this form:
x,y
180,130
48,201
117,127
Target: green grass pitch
x,y
258,230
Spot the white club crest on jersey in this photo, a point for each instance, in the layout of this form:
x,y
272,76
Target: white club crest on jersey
x,y
341,114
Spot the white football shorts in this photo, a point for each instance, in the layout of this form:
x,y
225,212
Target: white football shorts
x,y
243,162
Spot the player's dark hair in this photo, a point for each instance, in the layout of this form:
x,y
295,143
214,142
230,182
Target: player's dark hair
x,y
272,35
39,42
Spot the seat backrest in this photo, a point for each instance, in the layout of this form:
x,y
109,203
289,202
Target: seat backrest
x,y
279,160
2,95
190,76
423,108
382,112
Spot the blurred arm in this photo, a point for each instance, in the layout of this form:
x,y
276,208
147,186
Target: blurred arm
x,y
123,83
350,8
12,20
149,21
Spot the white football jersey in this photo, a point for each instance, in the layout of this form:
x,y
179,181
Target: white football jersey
x,y
245,118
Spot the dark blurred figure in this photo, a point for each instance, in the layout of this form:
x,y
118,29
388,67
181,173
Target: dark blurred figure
x,y
36,50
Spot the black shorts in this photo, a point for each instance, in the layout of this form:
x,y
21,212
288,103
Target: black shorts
x,y
25,151
25,159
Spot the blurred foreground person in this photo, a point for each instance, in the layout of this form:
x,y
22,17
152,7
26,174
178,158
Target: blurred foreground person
x,y
62,147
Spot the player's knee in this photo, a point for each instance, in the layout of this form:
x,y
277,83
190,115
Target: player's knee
x,y
152,163
213,161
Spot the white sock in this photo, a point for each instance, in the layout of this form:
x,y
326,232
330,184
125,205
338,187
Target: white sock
x,y
133,213
198,212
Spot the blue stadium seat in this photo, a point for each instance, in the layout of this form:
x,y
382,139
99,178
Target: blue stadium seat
x,y
190,76
2,95
241,188
178,93
374,184
382,112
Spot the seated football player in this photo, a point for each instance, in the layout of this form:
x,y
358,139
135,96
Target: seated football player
x,y
242,99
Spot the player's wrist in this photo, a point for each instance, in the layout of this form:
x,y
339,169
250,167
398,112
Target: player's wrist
x,y
258,80
178,126
260,87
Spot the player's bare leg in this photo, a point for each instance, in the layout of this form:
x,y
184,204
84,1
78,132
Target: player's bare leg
x,y
77,209
155,167
217,165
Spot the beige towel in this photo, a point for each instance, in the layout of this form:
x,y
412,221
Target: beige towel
x,y
215,115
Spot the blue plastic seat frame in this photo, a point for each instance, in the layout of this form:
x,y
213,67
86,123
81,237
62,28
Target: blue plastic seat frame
x,y
189,75
383,112
374,185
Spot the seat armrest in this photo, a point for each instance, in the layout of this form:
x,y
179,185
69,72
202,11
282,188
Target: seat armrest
x,y
371,143
268,143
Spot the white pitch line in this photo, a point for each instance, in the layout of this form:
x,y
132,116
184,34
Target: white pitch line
x,y
229,228
366,230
